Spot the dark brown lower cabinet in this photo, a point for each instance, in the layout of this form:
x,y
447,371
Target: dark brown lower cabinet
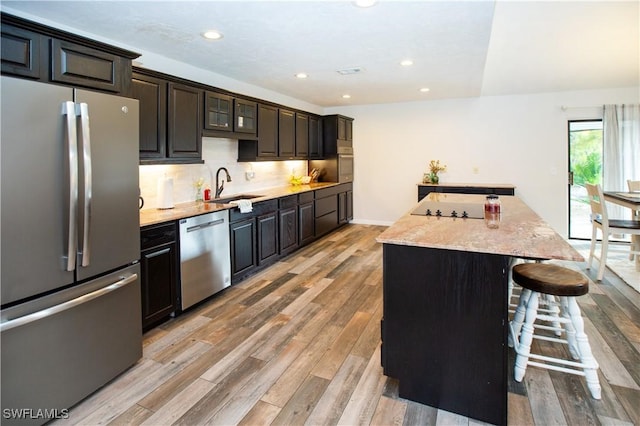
x,y
254,239
306,223
288,225
267,238
243,248
159,266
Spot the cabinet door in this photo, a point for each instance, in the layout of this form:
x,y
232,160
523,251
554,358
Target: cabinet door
x,y
184,130
349,205
315,138
286,134
306,221
243,247
342,207
151,93
267,237
218,114
288,230
246,116
348,130
158,283
302,135
83,66
342,128
267,131
21,53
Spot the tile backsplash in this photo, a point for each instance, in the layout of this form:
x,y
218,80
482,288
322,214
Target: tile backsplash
x,y
216,152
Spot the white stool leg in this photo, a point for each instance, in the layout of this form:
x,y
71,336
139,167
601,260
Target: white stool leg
x,y
569,329
524,349
554,311
518,317
586,357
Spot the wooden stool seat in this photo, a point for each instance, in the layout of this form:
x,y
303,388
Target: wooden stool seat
x,y
548,282
550,279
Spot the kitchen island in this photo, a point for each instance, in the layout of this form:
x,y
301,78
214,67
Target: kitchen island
x,y
445,319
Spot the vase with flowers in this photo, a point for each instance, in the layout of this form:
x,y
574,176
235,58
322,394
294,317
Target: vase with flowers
x,y
434,168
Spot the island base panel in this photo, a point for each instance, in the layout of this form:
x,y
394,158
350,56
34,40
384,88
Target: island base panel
x,y
445,328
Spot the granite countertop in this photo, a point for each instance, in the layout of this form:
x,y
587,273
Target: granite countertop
x,y
521,232
183,210
470,185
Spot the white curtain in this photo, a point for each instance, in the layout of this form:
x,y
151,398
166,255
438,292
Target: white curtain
x,y
621,157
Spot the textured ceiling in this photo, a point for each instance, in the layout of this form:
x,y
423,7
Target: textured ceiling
x,y
459,49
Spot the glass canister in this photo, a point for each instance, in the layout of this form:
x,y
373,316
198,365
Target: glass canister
x,y
492,211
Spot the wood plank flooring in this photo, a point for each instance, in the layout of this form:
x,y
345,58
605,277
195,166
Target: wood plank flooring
x,y
299,343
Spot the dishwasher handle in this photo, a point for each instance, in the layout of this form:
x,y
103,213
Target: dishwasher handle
x,y
205,225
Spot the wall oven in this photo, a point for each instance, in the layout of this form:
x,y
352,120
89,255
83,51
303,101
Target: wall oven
x,y
345,164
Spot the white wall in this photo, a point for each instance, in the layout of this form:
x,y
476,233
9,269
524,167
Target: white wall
x,y
521,140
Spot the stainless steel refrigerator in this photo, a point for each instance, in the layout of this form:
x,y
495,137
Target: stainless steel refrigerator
x,y
70,317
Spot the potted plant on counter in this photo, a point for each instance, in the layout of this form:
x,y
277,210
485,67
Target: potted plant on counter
x,y
434,168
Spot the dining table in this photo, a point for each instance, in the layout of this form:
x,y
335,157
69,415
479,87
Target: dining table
x,y
631,200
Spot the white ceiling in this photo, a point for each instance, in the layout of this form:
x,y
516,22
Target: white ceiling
x,y
459,48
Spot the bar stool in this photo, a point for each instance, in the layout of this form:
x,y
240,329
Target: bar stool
x,y
539,281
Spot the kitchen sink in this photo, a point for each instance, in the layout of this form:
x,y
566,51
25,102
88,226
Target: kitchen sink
x,y
227,200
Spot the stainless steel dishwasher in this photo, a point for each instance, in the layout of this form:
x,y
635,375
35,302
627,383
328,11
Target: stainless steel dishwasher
x,y
205,263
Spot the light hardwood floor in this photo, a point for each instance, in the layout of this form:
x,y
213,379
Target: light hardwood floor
x,y
299,343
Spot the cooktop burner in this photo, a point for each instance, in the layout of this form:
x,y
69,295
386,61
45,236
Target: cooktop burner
x,y
449,209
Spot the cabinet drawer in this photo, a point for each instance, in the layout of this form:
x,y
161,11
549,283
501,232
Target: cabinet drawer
x,y
326,205
305,197
322,193
288,202
258,209
84,66
155,235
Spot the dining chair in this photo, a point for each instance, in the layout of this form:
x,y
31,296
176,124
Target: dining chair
x,y
600,220
634,185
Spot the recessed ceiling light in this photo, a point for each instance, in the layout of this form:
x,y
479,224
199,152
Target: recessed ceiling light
x,y
212,35
406,63
302,75
425,89
365,3
346,96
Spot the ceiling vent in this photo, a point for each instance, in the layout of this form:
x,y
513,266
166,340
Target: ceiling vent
x,y
350,71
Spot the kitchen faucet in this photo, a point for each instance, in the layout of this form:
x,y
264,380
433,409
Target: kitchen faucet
x,y
220,186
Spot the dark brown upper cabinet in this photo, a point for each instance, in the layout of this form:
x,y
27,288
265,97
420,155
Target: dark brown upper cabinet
x,y
78,65
151,93
267,131
35,51
336,128
315,137
218,112
246,117
22,52
302,135
184,137
286,134
170,118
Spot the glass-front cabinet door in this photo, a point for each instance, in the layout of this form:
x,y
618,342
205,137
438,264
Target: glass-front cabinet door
x,y
218,112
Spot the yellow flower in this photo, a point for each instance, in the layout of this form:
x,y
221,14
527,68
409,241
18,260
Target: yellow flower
x,y
435,167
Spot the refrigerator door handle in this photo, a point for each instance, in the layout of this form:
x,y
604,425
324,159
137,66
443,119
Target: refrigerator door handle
x,y
68,111
82,110
20,321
